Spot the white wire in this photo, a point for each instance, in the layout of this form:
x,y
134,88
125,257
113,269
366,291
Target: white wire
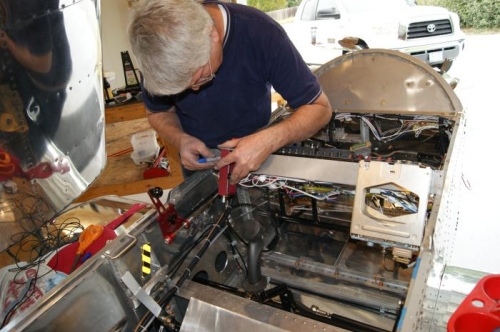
x,y
280,183
372,127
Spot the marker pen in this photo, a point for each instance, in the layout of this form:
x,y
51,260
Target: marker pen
x,y
208,160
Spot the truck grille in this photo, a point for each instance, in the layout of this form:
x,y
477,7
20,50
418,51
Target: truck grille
x,y
429,29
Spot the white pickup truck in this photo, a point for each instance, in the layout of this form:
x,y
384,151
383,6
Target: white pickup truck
x,y
429,33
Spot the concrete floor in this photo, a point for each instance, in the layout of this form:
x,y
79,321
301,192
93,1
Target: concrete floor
x,y
478,234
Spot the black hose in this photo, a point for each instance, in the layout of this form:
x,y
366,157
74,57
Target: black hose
x,y
254,251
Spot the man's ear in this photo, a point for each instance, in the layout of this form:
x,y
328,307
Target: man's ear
x,y
214,35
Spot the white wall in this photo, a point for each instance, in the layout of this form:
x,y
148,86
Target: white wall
x,y
477,240
114,20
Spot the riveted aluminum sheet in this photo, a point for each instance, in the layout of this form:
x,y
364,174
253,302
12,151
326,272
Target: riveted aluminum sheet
x,y
213,310
386,81
51,110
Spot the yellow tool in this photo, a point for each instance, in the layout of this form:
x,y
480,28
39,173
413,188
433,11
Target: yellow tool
x,y
146,259
88,236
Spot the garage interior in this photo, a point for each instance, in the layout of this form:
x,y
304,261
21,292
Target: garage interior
x,y
351,230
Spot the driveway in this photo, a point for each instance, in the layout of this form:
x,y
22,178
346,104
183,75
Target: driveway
x,y
477,239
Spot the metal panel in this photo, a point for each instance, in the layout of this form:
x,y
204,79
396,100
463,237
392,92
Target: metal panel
x,y
385,81
372,225
320,170
52,120
438,242
94,296
212,310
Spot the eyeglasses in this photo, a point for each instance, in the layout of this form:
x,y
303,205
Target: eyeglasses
x,y
205,79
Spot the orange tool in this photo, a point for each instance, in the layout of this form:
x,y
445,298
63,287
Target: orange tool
x,y
88,236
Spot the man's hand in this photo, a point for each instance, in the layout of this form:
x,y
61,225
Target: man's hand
x,y
190,148
190,151
248,154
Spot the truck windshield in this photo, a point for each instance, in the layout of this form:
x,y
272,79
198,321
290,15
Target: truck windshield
x,y
362,6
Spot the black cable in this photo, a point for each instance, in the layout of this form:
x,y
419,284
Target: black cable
x,y
172,291
233,231
331,131
42,249
173,269
208,240
235,251
31,291
55,238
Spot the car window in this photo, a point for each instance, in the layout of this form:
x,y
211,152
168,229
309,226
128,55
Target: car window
x,y
309,12
361,6
327,9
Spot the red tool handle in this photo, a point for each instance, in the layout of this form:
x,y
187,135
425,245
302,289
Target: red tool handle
x,y
226,189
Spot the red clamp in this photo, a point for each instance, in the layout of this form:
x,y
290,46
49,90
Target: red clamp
x,y
226,189
168,219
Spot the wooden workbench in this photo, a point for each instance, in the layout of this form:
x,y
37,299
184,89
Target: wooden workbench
x,y
121,175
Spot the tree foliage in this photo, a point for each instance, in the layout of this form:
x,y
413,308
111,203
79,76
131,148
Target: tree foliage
x,y
479,14
293,3
268,5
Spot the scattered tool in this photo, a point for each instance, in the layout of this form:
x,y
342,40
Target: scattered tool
x,y
88,236
169,220
225,188
208,160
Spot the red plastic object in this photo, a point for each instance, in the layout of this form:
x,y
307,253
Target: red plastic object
x,y
226,189
10,167
168,219
155,171
171,223
63,259
480,310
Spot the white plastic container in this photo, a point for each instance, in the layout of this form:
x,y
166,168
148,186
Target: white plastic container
x,y
145,146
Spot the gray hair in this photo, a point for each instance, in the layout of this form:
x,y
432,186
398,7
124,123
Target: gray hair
x,y
171,40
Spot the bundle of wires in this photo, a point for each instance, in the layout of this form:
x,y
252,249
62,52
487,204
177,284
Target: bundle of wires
x,y
291,187
416,125
38,246
212,231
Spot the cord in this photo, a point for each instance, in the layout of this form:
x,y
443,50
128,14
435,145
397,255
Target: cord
x,y
38,251
174,268
208,239
236,252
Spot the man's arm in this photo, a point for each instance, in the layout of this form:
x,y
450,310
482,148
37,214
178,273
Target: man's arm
x,y
168,126
251,151
37,63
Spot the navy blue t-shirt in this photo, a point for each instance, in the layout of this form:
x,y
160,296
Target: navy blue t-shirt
x,y
257,54
39,26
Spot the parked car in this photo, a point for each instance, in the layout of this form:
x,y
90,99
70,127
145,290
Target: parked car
x,y
429,33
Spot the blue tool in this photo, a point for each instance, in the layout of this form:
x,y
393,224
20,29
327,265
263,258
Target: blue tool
x,y
208,160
